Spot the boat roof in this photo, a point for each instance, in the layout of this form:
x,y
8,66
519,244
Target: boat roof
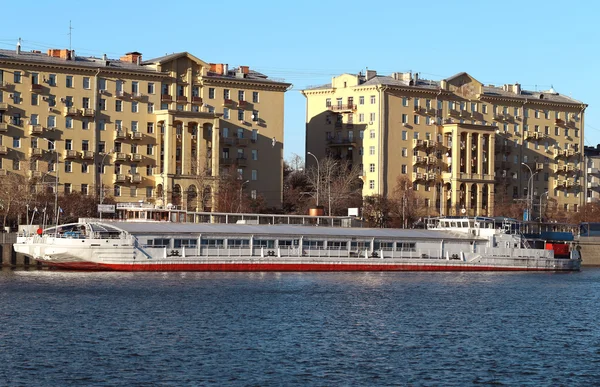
x,y
272,230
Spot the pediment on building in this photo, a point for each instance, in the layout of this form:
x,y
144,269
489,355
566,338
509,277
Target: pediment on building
x,y
464,85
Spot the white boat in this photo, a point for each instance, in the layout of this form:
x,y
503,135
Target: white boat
x,y
448,244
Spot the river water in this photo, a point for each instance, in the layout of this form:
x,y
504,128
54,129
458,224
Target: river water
x,y
299,329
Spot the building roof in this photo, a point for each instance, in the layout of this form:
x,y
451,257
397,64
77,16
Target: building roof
x,y
491,91
78,61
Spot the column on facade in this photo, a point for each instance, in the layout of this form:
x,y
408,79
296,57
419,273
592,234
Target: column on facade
x,y
444,200
468,198
216,148
468,153
490,211
479,204
480,154
455,151
491,154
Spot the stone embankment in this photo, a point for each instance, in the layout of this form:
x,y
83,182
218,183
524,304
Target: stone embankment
x,y
8,256
590,250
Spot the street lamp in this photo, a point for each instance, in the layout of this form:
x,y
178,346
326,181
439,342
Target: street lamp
x,y
53,143
241,188
318,175
101,178
530,191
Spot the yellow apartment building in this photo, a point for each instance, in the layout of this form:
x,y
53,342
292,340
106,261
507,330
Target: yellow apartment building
x,y
463,144
156,130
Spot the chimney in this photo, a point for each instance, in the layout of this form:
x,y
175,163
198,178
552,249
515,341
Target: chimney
x,y
132,57
225,69
406,76
416,79
245,69
371,74
517,88
19,47
104,57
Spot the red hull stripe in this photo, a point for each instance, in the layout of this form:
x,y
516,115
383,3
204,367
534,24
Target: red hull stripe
x,y
298,267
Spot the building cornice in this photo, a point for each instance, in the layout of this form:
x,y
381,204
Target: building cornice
x,y
276,86
532,101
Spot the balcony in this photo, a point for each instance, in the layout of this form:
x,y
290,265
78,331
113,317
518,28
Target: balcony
x,y
135,178
120,178
120,94
228,141
498,117
431,160
120,156
3,127
430,112
181,99
87,112
341,108
3,106
36,130
559,153
241,162
120,135
6,86
136,135
343,142
71,112
227,102
418,176
241,142
36,152
3,150
453,113
560,183
36,88
196,100
136,157
539,166
35,174
166,98
226,161
560,168
243,104
419,160
419,143
137,96
592,184
592,171
71,154
559,122
87,155
570,152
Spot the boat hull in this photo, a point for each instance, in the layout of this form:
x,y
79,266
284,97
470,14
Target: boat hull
x,y
302,266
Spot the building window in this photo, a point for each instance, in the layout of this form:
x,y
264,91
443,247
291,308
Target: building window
x,y
416,119
254,174
372,100
372,150
68,166
102,104
117,190
404,169
361,117
150,127
372,167
226,113
52,79
134,106
134,126
211,93
241,95
150,88
118,105
34,99
361,100
255,115
240,114
226,94
69,122
328,102
371,184
17,77
86,82
372,117
484,109
372,133
85,124
254,154
255,97
404,135
404,101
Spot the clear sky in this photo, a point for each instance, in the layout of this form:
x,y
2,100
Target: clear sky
x,y
538,43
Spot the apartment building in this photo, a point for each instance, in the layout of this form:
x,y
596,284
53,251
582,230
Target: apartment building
x,y
592,173
158,130
464,145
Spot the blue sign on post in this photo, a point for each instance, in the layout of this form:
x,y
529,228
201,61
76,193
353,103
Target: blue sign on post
x,y
525,215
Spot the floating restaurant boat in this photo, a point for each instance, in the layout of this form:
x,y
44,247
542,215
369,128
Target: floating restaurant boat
x,y
447,244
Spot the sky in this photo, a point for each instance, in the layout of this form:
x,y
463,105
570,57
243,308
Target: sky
x,y
540,44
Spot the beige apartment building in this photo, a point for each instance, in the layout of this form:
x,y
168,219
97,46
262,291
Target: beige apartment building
x,y
464,145
157,130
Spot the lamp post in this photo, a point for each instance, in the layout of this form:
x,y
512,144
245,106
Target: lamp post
x,y
541,196
318,175
101,179
241,188
53,143
530,191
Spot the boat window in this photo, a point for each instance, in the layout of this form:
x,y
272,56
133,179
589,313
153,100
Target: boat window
x,y
178,243
288,242
452,224
312,244
270,244
379,245
238,242
159,242
360,245
472,224
465,224
337,245
212,242
406,246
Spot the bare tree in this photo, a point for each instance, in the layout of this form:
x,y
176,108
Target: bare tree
x,y
14,191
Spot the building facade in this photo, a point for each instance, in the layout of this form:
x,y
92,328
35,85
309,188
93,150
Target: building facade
x,y
592,173
464,145
161,130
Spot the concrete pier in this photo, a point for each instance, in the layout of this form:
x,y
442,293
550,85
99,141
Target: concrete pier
x,y
590,250
8,256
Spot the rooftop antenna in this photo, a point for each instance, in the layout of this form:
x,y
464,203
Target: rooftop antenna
x,y
70,35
